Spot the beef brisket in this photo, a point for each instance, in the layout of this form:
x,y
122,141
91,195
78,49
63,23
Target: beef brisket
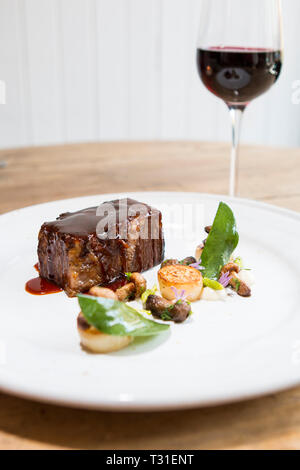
x,y
95,246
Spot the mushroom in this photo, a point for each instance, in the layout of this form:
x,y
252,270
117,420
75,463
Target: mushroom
x,y
133,289
168,311
103,292
140,284
188,261
230,268
130,291
126,292
169,262
199,251
157,305
181,311
240,286
173,262
235,282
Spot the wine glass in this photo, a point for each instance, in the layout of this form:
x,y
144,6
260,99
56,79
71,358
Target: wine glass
x,y
239,56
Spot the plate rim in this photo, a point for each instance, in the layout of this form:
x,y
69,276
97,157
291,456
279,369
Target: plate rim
x,y
139,406
239,200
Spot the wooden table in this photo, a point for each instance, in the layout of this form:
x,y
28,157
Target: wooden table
x,y
42,174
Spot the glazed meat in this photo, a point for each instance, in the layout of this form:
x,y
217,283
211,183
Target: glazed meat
x,y
95,246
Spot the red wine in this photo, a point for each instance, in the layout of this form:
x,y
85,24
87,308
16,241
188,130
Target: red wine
x,y
238,75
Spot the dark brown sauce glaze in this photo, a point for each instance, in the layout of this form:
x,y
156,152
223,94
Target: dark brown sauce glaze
x,y
117,283
40,286
84,223
77,254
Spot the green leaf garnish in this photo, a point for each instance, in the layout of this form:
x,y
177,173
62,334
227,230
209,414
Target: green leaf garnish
x,y
142,310
221,242
117,318
212,284
237,284
239,262
148,292
166,316
128,275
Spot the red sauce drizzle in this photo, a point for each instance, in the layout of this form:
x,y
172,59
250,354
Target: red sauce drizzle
x,y
40,286
117,283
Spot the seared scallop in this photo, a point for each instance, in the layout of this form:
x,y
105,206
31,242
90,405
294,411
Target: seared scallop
x,y
96,341
182,278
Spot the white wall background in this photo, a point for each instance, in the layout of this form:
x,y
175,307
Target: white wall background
x,y
81,70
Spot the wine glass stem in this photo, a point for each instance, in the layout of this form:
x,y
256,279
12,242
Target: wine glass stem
x,y
236,114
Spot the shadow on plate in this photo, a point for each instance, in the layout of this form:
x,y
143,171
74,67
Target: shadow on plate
x,y
140,345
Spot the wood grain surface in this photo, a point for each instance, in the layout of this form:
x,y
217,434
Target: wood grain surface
x,y
36,175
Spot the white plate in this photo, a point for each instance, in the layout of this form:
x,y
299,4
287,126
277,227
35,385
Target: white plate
x,y
228,351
